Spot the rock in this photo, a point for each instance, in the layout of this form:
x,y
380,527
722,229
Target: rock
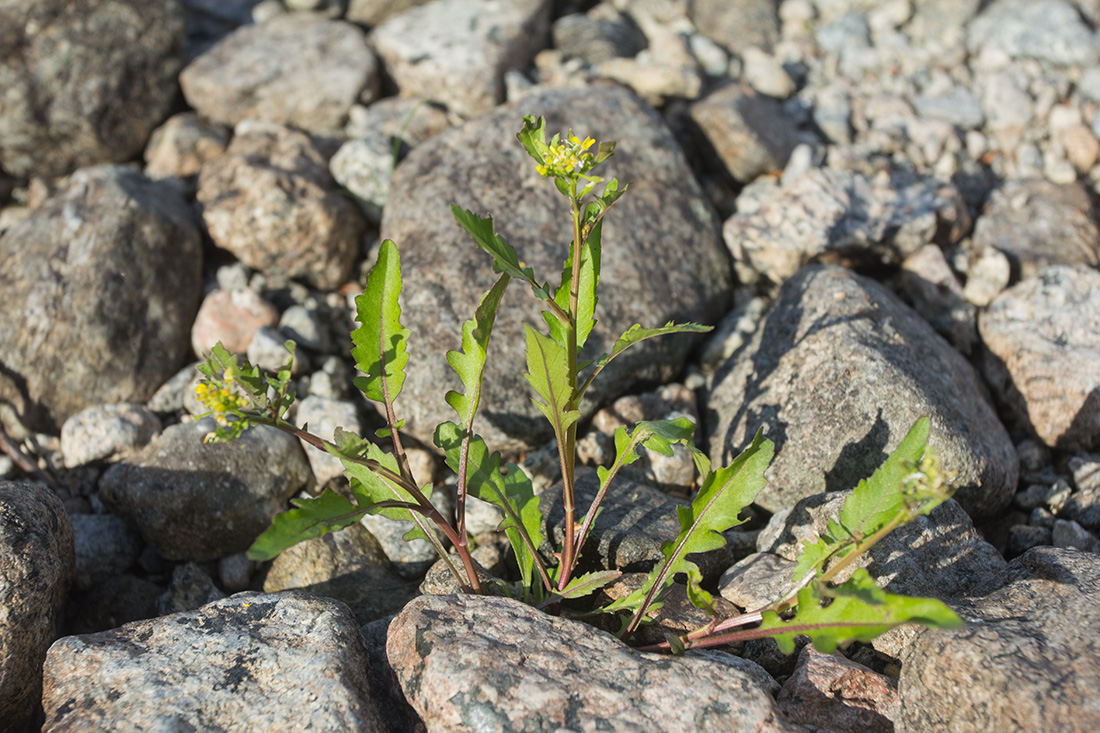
x,y
1040,335
655,82
957,106
1026,659
113,602
178,390
462,659
363,166
479,166
373,12
831,692
1083,507
300,70
104,546
946,20
252,661
748,131
271,201
757,581
845,216
1036,223
765,74
456,51
36,564
84,83
1071,534
193,501
408,121
105,432
598,35
844,33
1022,537
348,565
182,145
836,376
737,24
230,317
268,351
107,270
190,588
927,283
235,572
1049,31
322,417
988,275
409,559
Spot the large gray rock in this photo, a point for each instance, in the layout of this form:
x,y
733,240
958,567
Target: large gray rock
x,y
36,566
836,375
1045,30
271,201
655,267
84,82
299,70
469,662
247,663
1026,659
104,432
456,51
373,12
1036,223
845,216
193,501
1043,350
737,24
104,546
100,283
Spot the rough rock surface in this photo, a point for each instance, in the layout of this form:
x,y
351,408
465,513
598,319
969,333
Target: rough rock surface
x,y
271,201
1043,341
104,546
182,144
836,375
1026,660
493,663
193,501
106,431
36,566
748,131
830,691
84,82
649,275
1044,30
247,663
300,70
456,51
737,24
100,285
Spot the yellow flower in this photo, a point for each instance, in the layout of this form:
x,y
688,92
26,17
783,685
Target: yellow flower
x,y
221,397
567,159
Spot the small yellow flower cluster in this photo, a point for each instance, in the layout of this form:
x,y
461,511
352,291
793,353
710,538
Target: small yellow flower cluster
x,y
221,398
926,480
568,159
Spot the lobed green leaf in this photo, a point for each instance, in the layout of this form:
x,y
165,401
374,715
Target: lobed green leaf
x,y
505,259
548,374
310,518
380,342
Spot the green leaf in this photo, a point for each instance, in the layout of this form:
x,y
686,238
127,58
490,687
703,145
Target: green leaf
x,y
874,503
469,363
586,301
505,259
548,373
716,508
380,340
859,611
311,518
512,493
634,335
583,585
533,137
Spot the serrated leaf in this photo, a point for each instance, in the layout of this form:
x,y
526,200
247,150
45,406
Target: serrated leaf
x,y
859,611
533,137
586,291
505,259
310,518
873,503
380,341
715,509
469,363
548,373
636,334
589,583
512,493
699,596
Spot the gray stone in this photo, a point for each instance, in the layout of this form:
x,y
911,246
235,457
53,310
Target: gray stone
x,y
271,201
958,106
846,216
231,318
927,283
190,588
748,131
648,275
1026,659
837,374
737,24
1036,223
100,285
846,32
105,432
466,661
235,572
765,73
104,546
249,662
322,416
268,351
373,12
597,36
1044,30
944,20
1070,534
407,121
987,276
456,51
115,601
193,501
1022,537
182,144
1041,336
409,558
757,581
831,692
36,565
300,70
348,565
84,83
171,396
363,166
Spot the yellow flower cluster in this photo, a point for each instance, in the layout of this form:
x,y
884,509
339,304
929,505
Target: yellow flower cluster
x,y
221,398
568,158
926,480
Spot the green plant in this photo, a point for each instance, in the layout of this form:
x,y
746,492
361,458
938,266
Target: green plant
x,y
908,484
